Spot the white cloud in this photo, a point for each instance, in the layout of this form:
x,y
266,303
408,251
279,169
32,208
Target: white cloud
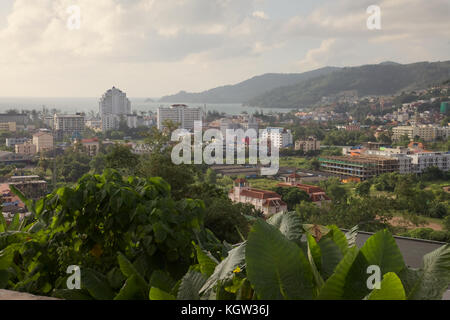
x,y
260,14
198,44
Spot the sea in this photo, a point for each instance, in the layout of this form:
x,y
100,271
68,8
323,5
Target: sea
x,y
73,105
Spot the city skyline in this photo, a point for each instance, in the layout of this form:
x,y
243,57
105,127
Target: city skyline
x,y
140,47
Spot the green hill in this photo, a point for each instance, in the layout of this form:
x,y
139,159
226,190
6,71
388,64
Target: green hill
x,y
245,90
382,79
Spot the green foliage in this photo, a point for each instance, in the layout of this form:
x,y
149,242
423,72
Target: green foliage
x,y
277,267
365,80
292,196
91,223
274,264
121,158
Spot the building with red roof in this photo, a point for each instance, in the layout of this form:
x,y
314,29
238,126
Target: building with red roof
x,y
268,202
316,194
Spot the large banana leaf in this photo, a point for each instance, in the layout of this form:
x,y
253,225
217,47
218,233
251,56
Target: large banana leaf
x,y
158,294
379,250
331,255
391,288
339,238
132,290
333,289
207,262
430,282
96,284
224,270
128,269
276,266
289,223
190,286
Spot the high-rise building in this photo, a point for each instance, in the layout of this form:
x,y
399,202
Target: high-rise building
x,y
69,125
113,104
280,137
180,114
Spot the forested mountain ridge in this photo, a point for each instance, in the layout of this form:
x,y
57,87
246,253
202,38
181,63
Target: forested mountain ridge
x,y
381,79
247,89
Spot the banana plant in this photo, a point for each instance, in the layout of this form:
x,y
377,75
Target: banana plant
x,y
285,259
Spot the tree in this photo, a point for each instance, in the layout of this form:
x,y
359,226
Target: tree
x,y
292,196
384,138
447,222
211,176
363,188
121,158
97,163
337,193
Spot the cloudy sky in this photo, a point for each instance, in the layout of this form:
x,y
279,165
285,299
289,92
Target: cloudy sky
x,y
151,48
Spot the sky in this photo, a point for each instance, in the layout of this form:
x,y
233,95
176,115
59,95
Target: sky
x,y
152,48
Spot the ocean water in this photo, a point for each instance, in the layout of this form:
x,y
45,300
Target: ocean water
x,y
72,105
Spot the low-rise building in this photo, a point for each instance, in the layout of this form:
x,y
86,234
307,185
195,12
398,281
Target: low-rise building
x,y
31,186
307,145
424,132
43,141
26,148
11,142
13,158
422,161
91,146
362,167
8,126
268,202
315,193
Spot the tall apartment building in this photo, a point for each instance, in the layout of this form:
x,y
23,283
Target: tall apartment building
x,y
280,137
112,105
307,145
180,114
71,125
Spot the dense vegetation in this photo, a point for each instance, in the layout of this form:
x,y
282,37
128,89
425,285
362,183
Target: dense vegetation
x,y
246,90
132,240
366,80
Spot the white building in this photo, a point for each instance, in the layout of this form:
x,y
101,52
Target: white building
x,y
71,125
132,120
415,162
268,202
180,114
421,161
280,137
112,105
424,132
12,142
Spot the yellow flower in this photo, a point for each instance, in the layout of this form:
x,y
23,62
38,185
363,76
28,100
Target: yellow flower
x,y
97,250
237,270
